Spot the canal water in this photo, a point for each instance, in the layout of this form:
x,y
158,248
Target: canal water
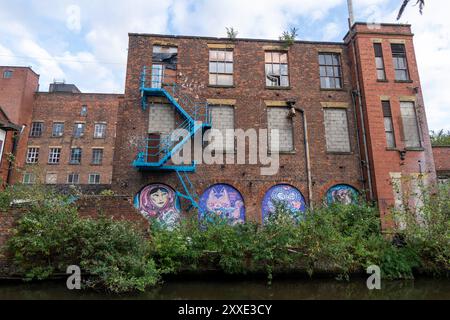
x,y
303,289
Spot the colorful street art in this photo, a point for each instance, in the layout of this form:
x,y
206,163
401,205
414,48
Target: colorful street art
x,y
223,201
343,194
158,201
287,195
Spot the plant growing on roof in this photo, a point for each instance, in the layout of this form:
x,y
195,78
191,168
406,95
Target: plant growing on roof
x,y
232,33
288,37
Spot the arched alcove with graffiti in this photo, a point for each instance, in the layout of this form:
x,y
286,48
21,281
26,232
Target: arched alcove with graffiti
x,y
159,202
343,194
287,196
224,201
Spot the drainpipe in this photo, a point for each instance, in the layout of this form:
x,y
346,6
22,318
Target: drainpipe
x,y
307,155
363,126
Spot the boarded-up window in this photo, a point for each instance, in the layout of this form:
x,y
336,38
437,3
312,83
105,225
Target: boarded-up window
x,y
336,130
162,119
279,119
222,118
410,125
51,178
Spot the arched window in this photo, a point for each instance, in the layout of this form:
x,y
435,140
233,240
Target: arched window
x,y
286,198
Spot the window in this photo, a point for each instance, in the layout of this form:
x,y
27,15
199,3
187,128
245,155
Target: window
x,y
7,74
100,131
75,156
33,155
388,124
221,67
36,129
336,130
330,71
51,178
84,111
277,69
97,156
29,178
94,178
379,61
400,62
222,119
410,125
78,131
58,129
54,156
279,119
73,178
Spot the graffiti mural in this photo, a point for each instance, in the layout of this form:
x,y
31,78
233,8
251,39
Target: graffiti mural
x,y
343,194
158,201
287,195
223,201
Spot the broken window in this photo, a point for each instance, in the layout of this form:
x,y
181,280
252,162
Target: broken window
x,y
221,67
330,71
388,124
277,70
379,61
400,62
410,125
165,60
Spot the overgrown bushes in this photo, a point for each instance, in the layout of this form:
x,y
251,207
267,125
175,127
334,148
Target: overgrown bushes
x,y
338,239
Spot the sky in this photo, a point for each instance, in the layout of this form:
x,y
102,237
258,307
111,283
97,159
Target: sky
x,y
85,41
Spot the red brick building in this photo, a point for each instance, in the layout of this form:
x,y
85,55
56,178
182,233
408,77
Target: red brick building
x,y
442,161
350,117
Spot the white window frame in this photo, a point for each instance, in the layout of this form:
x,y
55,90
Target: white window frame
x,y
54,155
100,130
72,175
93,156
33,155
94,176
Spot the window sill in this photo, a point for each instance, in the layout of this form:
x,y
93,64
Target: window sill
x,y
53,164
221,87
286,153
330,89
104,138
58,137
278,88
404,81
332,153
96,164
74,164
382,81
418,149
393,149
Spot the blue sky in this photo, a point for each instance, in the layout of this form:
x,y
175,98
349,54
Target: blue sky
x,y
85,41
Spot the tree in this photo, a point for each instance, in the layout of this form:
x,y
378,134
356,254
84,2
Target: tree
x,y
440,138
405,3
232,33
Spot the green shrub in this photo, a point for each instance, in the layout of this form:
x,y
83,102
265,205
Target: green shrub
x,y
113,254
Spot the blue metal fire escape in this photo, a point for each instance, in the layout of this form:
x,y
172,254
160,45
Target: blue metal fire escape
x,y
157,152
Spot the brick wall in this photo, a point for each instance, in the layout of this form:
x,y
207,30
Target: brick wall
x,y
162,119
251,104
66,108
336,130
442,161
279,119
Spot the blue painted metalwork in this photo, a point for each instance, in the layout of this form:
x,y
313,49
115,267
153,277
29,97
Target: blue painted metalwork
x,y
156,153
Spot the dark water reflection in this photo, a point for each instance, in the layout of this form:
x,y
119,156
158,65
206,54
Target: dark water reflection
x,y
422,289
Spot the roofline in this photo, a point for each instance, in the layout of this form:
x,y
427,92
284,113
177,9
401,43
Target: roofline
x,y
80,93
18,67
360,23
228,40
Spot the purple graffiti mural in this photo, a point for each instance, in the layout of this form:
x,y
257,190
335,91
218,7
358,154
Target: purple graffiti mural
x,y
286,195
343,194
222,201
158,201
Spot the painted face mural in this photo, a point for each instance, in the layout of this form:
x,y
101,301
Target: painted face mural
x,y
222,201
286,195
343,194
159,202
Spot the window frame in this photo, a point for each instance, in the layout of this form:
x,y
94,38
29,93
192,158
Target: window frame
x,y
387,114
35,154
73,160
31,178
397,55
218,62
333,66
272,63
8,74
94,150
84,110
55,125
73,174
75,130
95,182
104,126
416,120
34,131
379,55
52,155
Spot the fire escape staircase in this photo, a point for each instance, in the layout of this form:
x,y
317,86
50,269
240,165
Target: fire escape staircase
x,y
157,153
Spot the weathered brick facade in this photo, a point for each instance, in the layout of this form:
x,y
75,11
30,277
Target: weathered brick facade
x,y
442,161
345,140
